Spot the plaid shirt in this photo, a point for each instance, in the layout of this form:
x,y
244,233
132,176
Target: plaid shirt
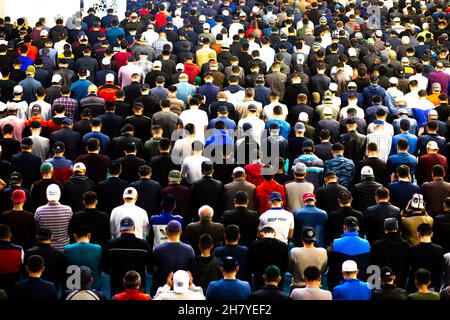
x,y
69,104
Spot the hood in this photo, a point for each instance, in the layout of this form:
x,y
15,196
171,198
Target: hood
x,y
79,179
205,265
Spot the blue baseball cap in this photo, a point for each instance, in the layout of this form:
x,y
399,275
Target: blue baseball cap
x,y
126,224
275,196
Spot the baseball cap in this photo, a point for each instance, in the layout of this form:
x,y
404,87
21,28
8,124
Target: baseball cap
x,y
206,26
56,78
432,145
18,89
308,234
247,126
405,60
275,196
46,167
300,168
174,226
391,224
436,86
26,142
327,111
15,177
79,166
175,176
181,281
351,223
18,196
130,193
349,266
252,107
31,70
299,127
36,109
352,85
157,63
308,145
333,87
67,121
322,19
367,171
308,196
53,192
303,116
44,33
59,146
229,262
179,66
238,169
402,111
393,80
386,273
432,112
126,224
106,61
109,77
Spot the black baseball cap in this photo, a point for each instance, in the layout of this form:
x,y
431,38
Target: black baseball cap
x,y
387,274
229,262
59,146
345,196
308,234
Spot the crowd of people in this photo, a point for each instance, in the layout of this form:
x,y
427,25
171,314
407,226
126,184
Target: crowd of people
x,y
227,150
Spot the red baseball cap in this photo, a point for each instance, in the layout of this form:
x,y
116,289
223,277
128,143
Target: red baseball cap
x,y
18,196
308,196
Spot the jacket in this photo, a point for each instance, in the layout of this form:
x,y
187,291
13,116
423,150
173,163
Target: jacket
x,y
205,270
349,247
149,195
310,216
71,140
355,145
207,191
269,293
54,262
195,230
230,190
389,292
409,225
344,168
110,193
374,219
29,166
130,166
263,192
327,196
352,289
392,251
441,230
364,194
314,169
74,189
247,221
434,194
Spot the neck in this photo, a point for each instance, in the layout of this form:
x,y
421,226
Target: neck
x,y
18,206
229,276
423,289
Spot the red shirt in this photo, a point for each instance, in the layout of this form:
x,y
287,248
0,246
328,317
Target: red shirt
x,y
132,294
425,164
191,70
32,52
263,192
121,58
160,19
253,172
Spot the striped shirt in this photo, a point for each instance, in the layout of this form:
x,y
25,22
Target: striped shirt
x,y
55,217
70,106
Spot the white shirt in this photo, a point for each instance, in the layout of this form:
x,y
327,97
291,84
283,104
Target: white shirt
x,y
46,109
395,92
182,149
267,54
411,99
421,80
199,119
388,129
252,45
22,108
359,111
191,169
383,142
281,220
178,22
134,212
59,46
258,126
150,36
234,29
235,98
217,29
268,110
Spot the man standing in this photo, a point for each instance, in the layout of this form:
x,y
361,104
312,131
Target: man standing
x,y
388,290
124,254
270,291
352,288
344,168
239,184
280,219
298,187
55,217
131,210
11,256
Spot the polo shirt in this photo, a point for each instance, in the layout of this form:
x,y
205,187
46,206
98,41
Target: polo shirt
x,y
281,220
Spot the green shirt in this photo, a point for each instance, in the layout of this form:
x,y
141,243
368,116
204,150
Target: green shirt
x,y
424,296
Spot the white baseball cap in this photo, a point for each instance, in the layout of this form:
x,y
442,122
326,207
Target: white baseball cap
x,y
202,18
56,78
181,281
349,266
106,61
303,116
179,66
53,192
238,169
393,80
206,26
18,89
367,171
333,86
44,33
327,111
130,193
79,166
157,63
432,145
109,77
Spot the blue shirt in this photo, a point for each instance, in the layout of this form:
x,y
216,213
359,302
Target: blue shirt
x,y
351,244
229,124
228,290
210,91
25,61
80,89
285,127
85,254
220,138
103,138
112,35
402,158
401,192
352,289
159,224
185,89
238,252
30,86
412,140
310,216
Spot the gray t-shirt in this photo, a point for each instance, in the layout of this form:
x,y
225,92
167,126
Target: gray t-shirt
x,y
311,293
301,258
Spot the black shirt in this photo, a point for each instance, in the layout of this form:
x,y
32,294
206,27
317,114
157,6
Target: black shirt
x,y
246,220
95,221
34,289
9,148
142,125
22,226
53,261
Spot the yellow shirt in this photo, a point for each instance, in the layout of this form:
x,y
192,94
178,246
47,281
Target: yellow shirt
x,y
204,55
